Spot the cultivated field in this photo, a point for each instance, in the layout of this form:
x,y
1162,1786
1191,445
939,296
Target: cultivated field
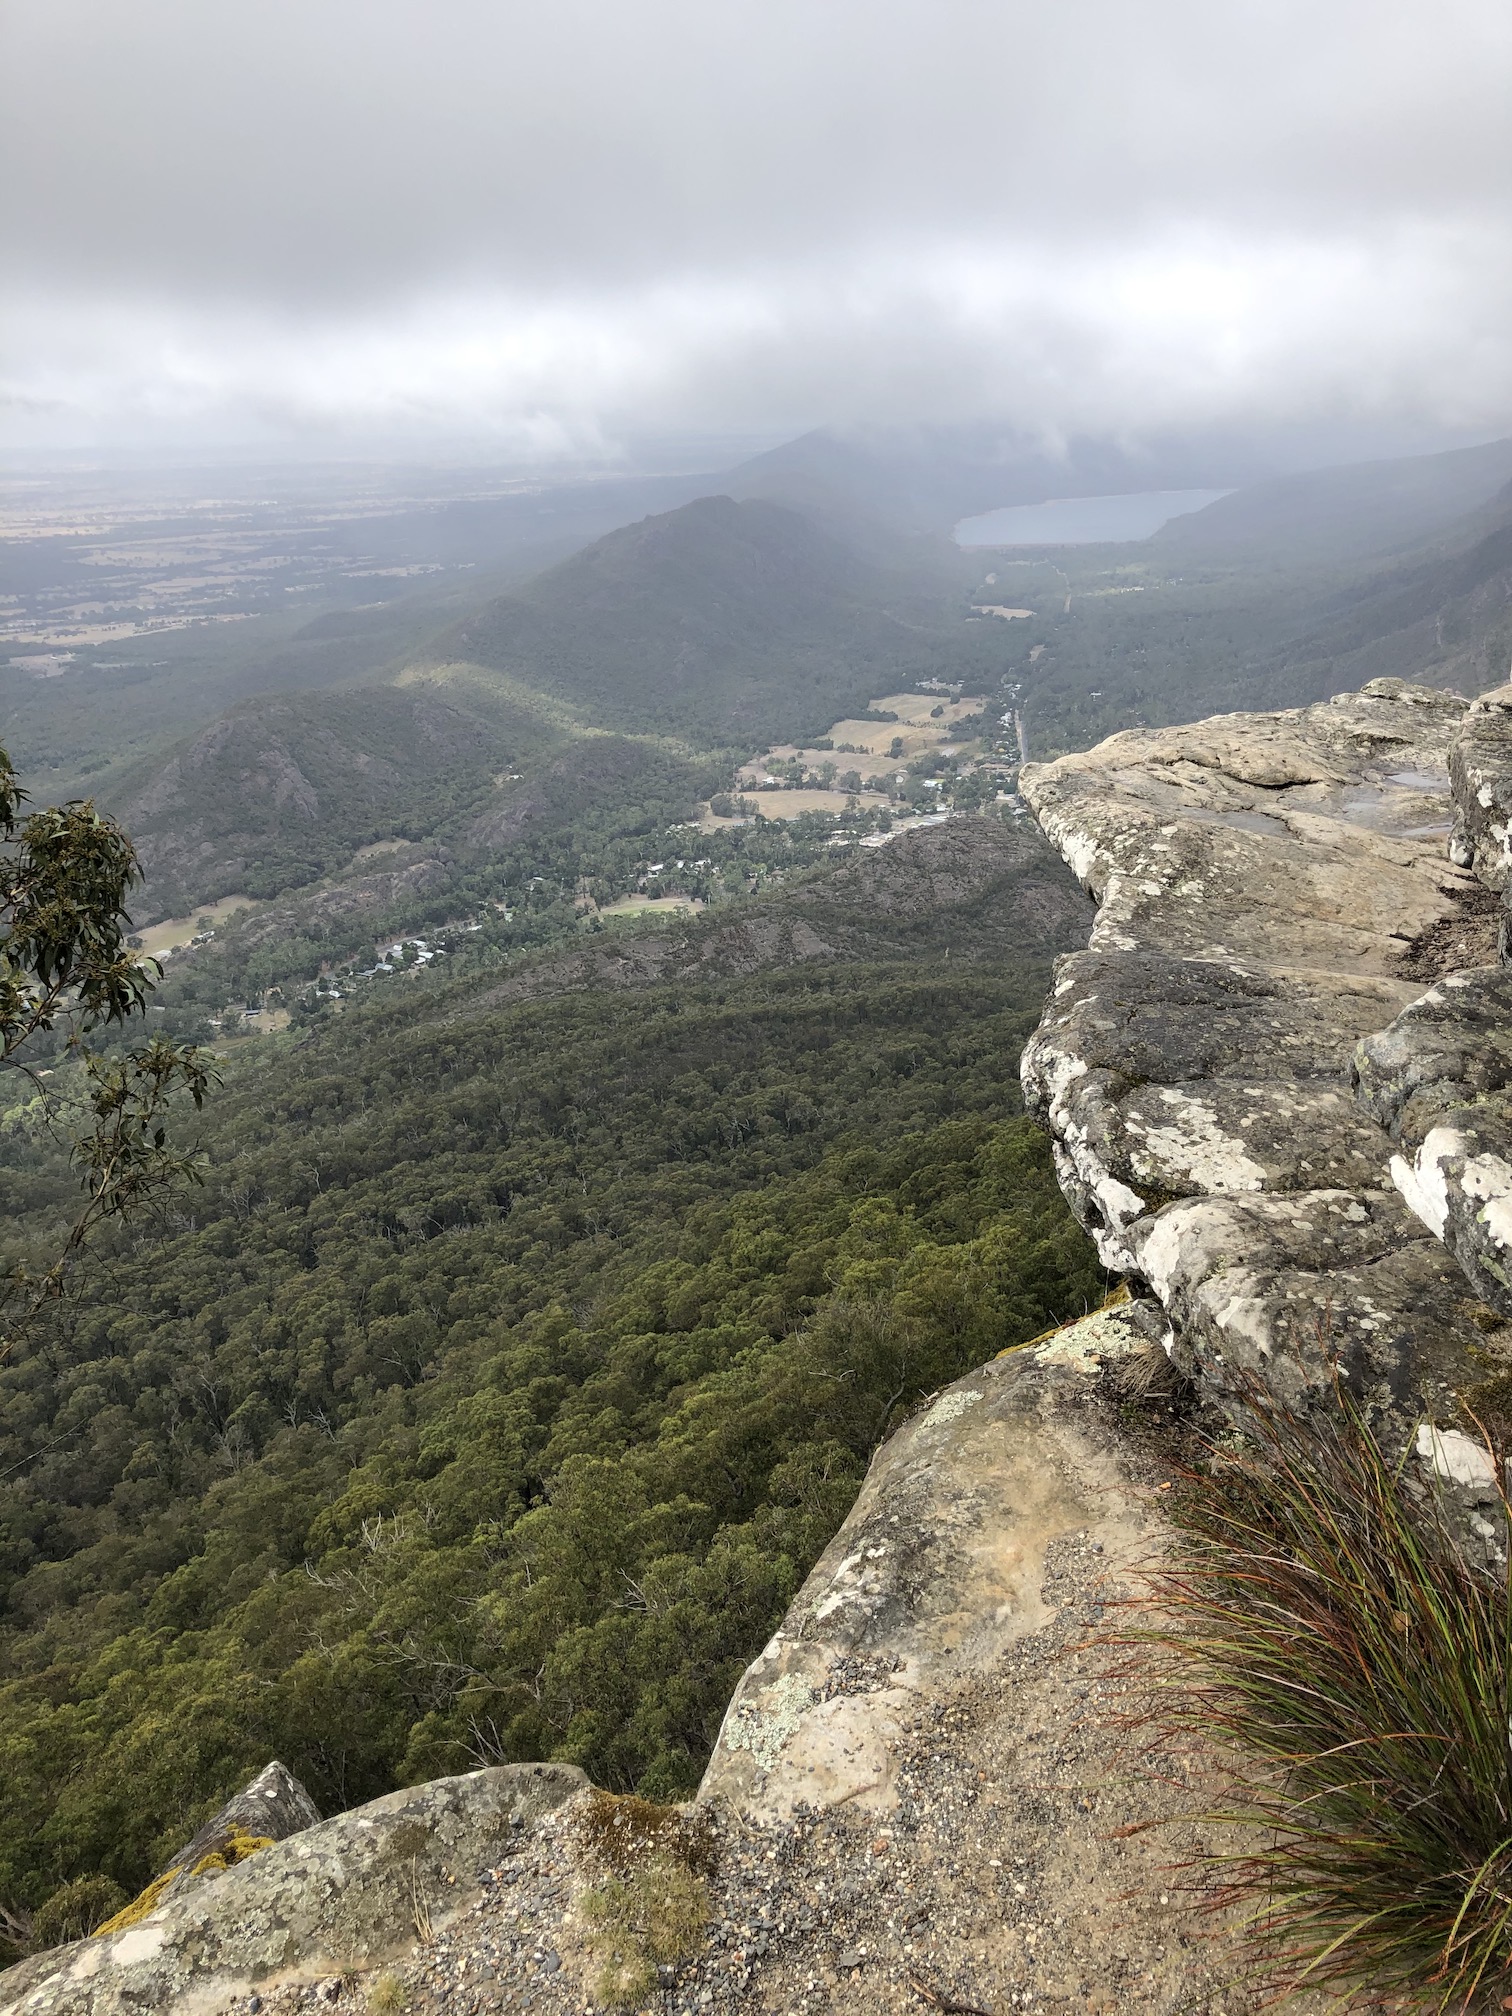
x,y
628,906
868,743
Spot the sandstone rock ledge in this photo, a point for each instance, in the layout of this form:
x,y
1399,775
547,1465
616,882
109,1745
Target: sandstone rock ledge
x,y
936,1781
936,1575
1271,889
347,1893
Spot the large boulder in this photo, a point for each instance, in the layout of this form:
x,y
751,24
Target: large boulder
x,y
349,1892
937,1574
274,1806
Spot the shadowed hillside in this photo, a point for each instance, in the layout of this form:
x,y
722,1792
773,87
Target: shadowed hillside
x,y
1330,515
1153,632
727,624
284,790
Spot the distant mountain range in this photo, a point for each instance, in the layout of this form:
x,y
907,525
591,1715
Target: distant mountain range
x,y
730,623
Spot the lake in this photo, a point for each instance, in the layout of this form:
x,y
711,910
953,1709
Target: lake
x,y
1082,521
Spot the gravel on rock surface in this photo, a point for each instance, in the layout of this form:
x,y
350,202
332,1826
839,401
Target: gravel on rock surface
x,y
1031,1862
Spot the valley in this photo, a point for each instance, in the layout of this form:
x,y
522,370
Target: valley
x,y
617,950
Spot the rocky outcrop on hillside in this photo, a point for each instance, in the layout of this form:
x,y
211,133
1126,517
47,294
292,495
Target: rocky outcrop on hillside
x,y
934,1578
274,1806
1273,889
941,1748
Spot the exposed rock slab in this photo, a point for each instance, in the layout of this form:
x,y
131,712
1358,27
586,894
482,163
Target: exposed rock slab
x,y
936,1574
274,1806
344,1894
935,1780
1263,884
1439,1080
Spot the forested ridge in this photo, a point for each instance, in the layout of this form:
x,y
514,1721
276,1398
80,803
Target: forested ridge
x,y
283,790
729,625
516,1357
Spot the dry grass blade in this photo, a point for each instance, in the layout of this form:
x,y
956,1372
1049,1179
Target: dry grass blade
x,y
419,1906
1328,1625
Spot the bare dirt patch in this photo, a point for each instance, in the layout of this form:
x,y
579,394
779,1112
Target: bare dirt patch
x,y
635,906
159,941
789,804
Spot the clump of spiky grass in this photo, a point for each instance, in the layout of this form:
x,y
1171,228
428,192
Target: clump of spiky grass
x,y
1329,1629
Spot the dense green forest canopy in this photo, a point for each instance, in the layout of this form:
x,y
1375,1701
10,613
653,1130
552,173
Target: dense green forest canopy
x,y
525,1343
284,790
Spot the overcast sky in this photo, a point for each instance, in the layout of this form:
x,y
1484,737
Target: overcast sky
x,y
544,225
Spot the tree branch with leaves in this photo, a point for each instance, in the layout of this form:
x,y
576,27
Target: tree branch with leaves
x,y
66,969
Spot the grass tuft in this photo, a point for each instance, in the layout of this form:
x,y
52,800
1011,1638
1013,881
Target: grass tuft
x,y
652,1909
1327,1626
387,1996
651,1917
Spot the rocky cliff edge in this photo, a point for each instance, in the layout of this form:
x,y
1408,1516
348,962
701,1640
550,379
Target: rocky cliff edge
x,y
1273,891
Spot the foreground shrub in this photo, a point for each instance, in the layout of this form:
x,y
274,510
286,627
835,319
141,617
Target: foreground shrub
x,y
75,1910
1327,1625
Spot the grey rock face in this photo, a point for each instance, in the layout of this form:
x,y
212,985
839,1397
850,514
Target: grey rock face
x,y
1439,1080
274,1806
1480,771
1262,883
348,1892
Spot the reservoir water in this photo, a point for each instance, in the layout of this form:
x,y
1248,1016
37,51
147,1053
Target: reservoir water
x,y
1082,521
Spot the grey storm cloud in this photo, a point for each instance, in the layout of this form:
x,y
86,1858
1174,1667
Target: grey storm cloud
x,y
559,219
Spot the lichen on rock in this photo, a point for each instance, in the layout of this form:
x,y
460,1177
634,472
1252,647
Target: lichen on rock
x,y
349,1892
1262,883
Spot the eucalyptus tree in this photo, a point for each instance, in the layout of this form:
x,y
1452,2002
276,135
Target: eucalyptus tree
x,y
70,979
